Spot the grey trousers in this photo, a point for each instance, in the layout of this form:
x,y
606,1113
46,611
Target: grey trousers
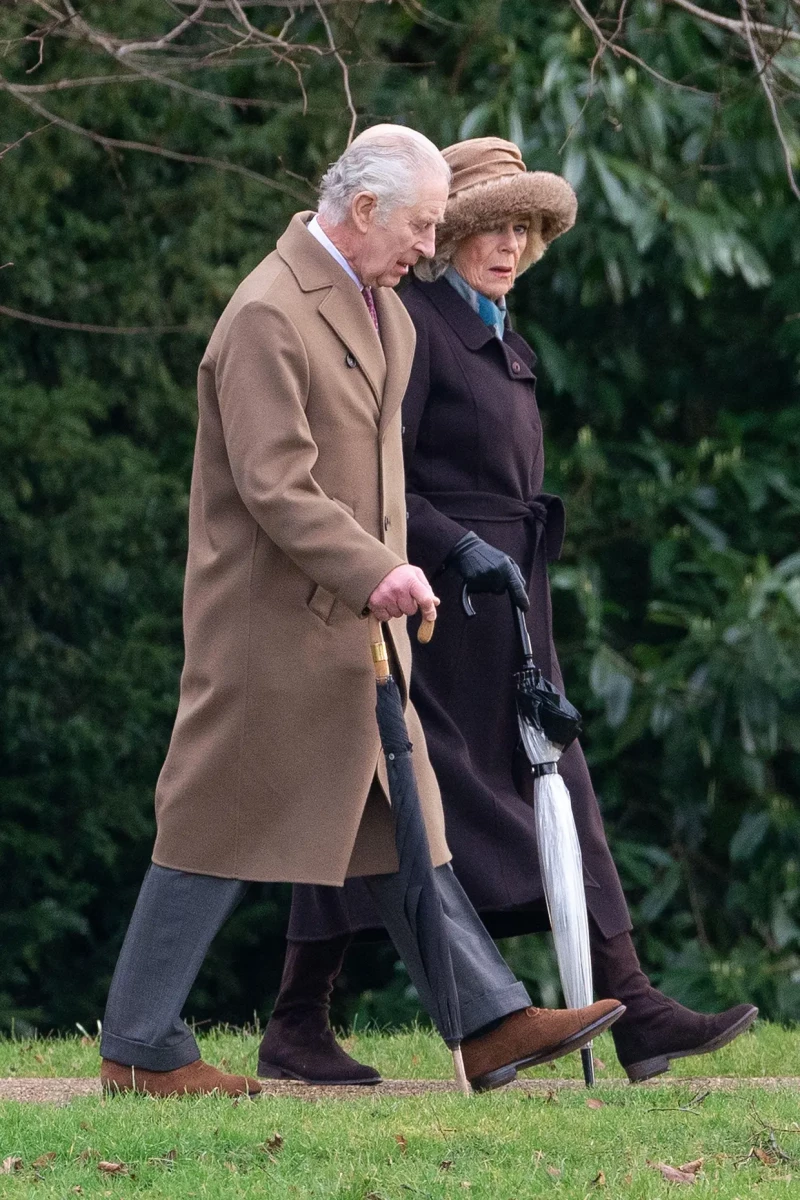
x,y
177,917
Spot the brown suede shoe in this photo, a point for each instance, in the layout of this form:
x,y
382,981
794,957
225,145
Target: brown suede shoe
x,y
196,1079
532,1036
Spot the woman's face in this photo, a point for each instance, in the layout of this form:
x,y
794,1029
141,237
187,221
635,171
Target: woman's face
x,y
489,260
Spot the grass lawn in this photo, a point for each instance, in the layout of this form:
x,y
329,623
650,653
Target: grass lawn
x,y
504,1145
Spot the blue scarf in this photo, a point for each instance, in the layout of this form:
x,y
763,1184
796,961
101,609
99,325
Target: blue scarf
x,y
491,313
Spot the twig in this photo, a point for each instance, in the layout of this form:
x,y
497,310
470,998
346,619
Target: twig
x,y
622,51
147,148
33,319
25,136
160,43
740,27
345,72
762,70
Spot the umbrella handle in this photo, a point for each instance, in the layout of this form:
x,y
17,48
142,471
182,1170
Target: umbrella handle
x,y
380,654
466,601
425,631
524,636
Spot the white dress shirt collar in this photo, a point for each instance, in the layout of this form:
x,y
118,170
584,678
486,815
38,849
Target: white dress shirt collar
x,y
316,231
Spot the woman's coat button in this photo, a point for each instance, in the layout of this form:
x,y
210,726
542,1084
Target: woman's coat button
x,y
349,361
515,368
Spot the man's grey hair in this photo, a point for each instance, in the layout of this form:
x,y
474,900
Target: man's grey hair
x,y
388,164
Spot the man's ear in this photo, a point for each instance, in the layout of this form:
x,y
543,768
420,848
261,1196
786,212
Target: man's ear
x,y
363,210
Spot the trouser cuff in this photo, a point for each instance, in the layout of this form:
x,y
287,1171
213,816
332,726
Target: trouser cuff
x,y
146,1057
493,1006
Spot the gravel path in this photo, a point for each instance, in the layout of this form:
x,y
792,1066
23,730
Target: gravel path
x,y
61,1091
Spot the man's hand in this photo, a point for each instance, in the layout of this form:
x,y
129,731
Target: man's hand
x,y
401,593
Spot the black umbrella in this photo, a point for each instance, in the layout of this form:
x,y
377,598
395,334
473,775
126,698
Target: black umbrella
x,y
422,902
548,724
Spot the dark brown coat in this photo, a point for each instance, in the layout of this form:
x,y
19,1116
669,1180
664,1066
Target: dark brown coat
x,y
474,460
297,513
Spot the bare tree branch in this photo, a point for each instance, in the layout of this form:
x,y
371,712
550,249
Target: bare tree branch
x,y
762,69
781,32
146,148
605,43
345,72
127,330
12,145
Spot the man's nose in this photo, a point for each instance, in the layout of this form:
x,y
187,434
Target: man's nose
x,y
426,245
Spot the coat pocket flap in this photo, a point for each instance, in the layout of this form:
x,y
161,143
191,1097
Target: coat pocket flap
x,y
321,603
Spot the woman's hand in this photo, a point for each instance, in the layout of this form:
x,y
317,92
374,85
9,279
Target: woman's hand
x,y
487,569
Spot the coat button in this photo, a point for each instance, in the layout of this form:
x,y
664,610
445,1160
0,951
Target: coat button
x,y
349,361
515,368
386,524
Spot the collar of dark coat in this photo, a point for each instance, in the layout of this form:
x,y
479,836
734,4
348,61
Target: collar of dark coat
x,y
385,360
473,332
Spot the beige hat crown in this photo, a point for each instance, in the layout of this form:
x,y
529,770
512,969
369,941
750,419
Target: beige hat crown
x,y
491,182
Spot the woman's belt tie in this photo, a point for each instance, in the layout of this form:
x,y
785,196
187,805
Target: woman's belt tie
x,y
545,510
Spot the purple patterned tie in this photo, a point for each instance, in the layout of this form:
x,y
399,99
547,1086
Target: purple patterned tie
x,y
370,303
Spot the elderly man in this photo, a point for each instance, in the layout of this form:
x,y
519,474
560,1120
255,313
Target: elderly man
x,y
296,531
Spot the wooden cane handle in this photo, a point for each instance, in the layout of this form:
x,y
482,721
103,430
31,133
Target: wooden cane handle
x,y
425,631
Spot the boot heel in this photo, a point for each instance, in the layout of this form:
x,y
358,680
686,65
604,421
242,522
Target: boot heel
x,y
637,1072
268,1071
494,1079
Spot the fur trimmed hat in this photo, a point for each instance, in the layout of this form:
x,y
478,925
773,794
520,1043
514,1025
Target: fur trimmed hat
x,y
490,182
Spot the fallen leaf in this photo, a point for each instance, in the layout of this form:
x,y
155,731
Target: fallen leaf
x,y
673,1174
274,1144
691,1168
551,1097
171,1155
627,1179
44,1159
445,1164
38,1058
593,1102
112,1168
87,1041
78,1190
465,1183
598,1062
554,1171
415,1060
229,1166
11,1164
85,1125
401,1141
768,1160
86,1154
599,1180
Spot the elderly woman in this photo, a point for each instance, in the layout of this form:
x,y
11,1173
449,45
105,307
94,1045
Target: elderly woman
x,y
477,516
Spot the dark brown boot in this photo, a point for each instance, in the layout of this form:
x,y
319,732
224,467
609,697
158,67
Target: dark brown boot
x,y
532,1036
656,1029
196,1079
298,1042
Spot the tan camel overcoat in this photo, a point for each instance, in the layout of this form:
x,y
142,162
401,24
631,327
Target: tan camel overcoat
x,y
297,513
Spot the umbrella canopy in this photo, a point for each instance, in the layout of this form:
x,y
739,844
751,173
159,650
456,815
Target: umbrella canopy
x,y
548,723
422,905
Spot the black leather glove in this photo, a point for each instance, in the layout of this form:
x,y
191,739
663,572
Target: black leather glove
x,y
486,569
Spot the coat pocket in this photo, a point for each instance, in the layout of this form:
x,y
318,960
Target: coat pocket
x,y
323,602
